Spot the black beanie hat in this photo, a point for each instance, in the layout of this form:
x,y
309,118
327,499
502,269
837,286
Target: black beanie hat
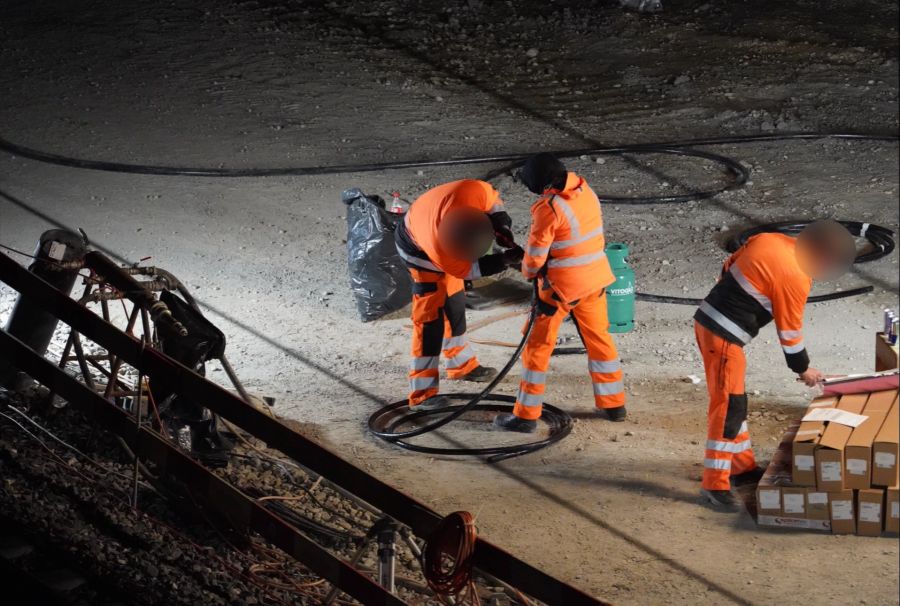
x,y
541,171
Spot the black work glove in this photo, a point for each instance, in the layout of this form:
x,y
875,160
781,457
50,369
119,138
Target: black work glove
x,y
513,257
504,237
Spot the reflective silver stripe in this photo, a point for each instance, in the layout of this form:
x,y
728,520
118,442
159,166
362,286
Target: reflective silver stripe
x,y
792,349
474,272
529,399
424,363
724,464
531,270
749,288
733,447
787,335
574,227
421,383
576,261
455,342
461,358
608,389
534,376
744,428
423,263
537,251
567,243
725,323
604,366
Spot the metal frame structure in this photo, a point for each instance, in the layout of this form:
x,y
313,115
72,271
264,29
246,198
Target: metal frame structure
x,y
488,558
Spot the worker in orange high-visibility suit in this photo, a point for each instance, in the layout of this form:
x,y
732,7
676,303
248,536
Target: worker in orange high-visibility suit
x,y
443,240
565,254
768,278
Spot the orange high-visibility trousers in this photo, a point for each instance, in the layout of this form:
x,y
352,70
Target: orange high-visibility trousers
x,y
439,325
589,315
728,448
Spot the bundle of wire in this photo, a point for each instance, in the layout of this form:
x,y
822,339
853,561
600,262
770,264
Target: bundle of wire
x,y
447,558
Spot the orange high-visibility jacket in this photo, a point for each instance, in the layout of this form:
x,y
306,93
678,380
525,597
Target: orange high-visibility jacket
x,y
760,282
566,242
417,237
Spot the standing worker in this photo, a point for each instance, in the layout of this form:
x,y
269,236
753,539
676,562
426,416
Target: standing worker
x,y
565,254
443,239
768,278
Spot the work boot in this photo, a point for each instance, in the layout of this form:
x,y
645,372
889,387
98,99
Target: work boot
x,y
616,415
432,403
479,374
510,422
748,477
722,500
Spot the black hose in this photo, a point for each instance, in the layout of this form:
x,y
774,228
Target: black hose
x,y
881,238
385,422
832,296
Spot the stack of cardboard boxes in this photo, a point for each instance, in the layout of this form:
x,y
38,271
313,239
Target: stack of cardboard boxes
x,y
838,468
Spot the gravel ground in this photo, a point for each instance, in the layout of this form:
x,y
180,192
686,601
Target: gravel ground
x,y
613,510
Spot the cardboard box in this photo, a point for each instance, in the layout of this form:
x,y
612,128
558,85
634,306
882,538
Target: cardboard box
x,y
829,455
858,451
886,450
892,510
806,441
841,512
869,512
885,354
793,501
817,504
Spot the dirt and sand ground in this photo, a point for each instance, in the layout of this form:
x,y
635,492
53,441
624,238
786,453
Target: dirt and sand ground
x,y
612,509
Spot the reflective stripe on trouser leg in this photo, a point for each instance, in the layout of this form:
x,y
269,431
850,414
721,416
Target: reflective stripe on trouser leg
x,y
428,331
725,365
603,359
458,353
536,361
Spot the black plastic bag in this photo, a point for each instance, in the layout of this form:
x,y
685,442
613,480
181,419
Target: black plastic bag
x,y
378,278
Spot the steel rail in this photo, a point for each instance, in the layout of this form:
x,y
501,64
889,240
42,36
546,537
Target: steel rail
x,y
167,372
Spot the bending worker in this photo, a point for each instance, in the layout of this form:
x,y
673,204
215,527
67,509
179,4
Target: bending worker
x,y
565,254
443,240
768,278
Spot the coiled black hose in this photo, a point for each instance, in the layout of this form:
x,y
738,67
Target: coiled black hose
x,y
881,238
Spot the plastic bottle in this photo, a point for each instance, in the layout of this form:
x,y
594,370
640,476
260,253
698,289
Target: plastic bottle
x,y
398,205
620,294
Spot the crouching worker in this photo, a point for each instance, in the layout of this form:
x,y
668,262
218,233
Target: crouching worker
x,y
565,254
443,240
768,278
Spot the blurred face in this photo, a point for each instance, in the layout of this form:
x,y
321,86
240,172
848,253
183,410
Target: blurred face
x,y
825,250
467,234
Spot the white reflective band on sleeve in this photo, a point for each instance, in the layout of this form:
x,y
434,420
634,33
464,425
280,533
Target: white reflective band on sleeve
x,y
574,227
608,389
787,335
744,428
724,322
537,251
792,349
594,233
423,263
534,376
461,358
749,288
529,399
530,270
723,464
474,272
452,342
604,366
576,261
420,383
424,363
733,447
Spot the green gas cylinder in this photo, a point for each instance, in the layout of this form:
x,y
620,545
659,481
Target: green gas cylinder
x,y
620,294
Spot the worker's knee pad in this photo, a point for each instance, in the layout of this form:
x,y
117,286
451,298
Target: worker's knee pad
x,y
455,310
736,415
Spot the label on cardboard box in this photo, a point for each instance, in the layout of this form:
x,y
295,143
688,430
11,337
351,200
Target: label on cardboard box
x,y
817,498
842,510
770,499
835,415
857,466
885,460
870,512
793,503
831,471
805,462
